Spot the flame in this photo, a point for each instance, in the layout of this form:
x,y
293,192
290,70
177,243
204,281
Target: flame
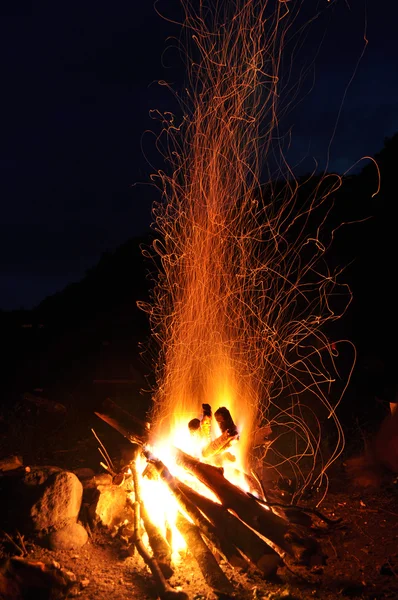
x,y
162,508
242,287
161,504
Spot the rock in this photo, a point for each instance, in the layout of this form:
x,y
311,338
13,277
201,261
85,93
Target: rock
x,y
381,457
59,502
103,479
21,578
109,506
97,480
84,474
71,537
10,463
39,500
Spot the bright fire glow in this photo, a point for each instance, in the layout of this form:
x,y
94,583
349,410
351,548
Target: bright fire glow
x,y
159,501
163,508
243,291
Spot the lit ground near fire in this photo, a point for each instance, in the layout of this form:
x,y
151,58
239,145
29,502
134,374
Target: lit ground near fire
x,y
362,549
362,560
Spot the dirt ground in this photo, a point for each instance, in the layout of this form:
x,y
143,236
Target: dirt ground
x,y
362,549
362,560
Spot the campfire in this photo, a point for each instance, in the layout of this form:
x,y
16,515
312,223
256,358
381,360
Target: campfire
x,y
204,502
239,306
240,299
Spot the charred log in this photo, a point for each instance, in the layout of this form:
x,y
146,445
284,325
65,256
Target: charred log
x,y
274,528
225,421
165,590
194,426
260,554
133,429
211,571
215,537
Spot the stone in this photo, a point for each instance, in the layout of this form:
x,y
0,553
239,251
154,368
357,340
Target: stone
x,y
10,463
71,537
58,503
38,475
97,480
22,578
109,506
84,474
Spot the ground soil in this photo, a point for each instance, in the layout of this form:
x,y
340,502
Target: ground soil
x,y
362,549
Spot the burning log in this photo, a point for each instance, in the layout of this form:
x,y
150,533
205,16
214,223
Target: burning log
x,y
207,563
202,427
218,445
260,554
228,429
205,424
225,421
216,537
166,591
160,547
274,528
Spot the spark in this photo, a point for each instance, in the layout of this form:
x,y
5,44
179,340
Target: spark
x,y
243,291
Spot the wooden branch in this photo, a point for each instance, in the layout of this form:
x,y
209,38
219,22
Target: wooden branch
x,y
166,591
133,429
208,565
21,549
260,554
160,547
277,530
298,514
215,537
219,445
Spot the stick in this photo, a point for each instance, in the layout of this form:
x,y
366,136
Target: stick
x,y
130,427
220,542
166,591
304,509
262,556
18,548
160,547
208,565
274,528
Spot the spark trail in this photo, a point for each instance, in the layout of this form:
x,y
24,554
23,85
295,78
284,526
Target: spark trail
x,y
243,291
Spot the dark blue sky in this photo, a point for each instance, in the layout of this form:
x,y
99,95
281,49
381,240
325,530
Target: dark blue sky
x,y
78,80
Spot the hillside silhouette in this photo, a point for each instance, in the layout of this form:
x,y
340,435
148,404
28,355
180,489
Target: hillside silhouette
x,y
92,331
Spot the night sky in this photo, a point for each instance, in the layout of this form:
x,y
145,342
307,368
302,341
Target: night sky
x,y
78,81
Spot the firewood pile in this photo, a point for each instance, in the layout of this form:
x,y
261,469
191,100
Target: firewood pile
x,y
244,529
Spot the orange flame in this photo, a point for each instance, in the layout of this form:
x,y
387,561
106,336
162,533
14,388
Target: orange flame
x,y
243,286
